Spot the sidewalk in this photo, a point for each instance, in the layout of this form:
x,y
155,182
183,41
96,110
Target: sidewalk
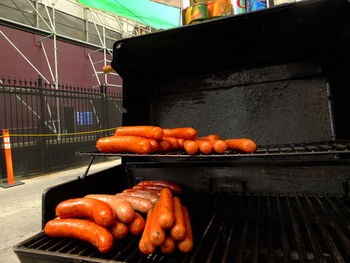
x,y
20,207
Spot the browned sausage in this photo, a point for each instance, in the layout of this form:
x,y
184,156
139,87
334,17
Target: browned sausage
x,y
164,146
219,146
151,197
139,204
186,245
166,209
123,210
137,225
178,231
81,229
100,212
150,132
244,145
174,144
181,142
145,244
191,147
175,188
119,230
154,145
155,192
168,246
205,147
182,133
134,144
210,137
148,187
157,234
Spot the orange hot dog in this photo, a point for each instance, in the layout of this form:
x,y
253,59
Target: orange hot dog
x,y
122,208
205,147
139,204
155,192
182,133
178,231
181,142
149,132
81,229
137,225
191,147
133,144
168,246
157,234
100,212
164,146
151,197
219,146
172,186
244,145
145,244
186,245
166,209
119,230
174,144
210,137
154,145
148,187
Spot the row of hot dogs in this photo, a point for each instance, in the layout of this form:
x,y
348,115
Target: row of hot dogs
x,y
101,218
151,139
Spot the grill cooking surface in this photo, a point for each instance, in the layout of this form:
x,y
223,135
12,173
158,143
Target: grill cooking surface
x,y
319,148
231,229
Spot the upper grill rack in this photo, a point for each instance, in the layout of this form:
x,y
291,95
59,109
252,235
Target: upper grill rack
x,y
312,148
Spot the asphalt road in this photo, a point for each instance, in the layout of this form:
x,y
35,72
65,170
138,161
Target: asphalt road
x,y
20,207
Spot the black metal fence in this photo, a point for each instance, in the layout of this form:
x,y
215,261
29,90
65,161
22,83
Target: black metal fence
x,y
32,107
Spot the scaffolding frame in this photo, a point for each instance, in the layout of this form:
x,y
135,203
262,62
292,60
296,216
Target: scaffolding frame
x,y
124,24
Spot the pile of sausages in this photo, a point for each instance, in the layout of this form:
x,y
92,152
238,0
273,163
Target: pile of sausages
x,y
151,139
168,225
101,218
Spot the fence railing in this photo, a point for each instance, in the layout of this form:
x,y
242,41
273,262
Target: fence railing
x,y
39,116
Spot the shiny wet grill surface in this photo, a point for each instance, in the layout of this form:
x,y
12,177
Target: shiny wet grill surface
x,y
227,228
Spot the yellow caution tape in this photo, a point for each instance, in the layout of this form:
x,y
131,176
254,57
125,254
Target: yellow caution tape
x,y
57,134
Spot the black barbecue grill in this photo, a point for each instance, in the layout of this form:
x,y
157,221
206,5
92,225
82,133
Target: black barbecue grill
x,y
279,76
267,228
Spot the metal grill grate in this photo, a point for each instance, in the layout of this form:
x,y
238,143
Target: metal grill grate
x,y
231,229
319,148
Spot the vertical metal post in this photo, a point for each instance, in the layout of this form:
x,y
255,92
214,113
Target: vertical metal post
x,y
42,141
104,107
36,15
56,72
86,24
104,51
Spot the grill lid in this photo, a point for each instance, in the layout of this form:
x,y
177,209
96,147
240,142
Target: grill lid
x,y
307,29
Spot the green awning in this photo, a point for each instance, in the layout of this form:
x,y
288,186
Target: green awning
x,y
144,11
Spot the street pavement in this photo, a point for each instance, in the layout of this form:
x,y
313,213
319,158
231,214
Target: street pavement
x,y
20,207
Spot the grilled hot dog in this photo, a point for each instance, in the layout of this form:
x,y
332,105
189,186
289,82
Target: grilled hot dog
x,y
150,132
123,209
100,212
182,133
244,145
133,144
81,229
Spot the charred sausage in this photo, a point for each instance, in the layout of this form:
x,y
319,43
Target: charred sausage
x,y
100,212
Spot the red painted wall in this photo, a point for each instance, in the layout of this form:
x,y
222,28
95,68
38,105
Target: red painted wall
x,y
74,67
